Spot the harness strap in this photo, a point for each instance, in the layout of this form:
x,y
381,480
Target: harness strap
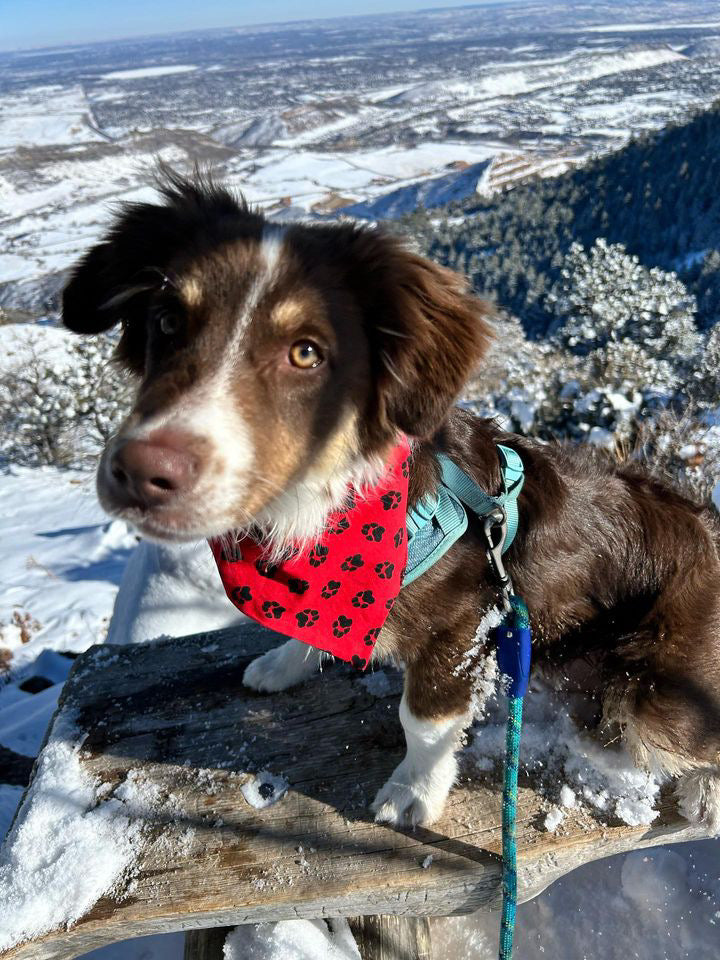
x,y
440,519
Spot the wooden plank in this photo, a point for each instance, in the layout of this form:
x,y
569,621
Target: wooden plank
x,y
173,716
392,938
205,944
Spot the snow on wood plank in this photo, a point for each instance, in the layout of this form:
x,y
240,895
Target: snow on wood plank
x,y
168,750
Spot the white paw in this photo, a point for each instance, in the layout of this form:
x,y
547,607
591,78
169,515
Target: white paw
x,y
698,796
412,800
283,667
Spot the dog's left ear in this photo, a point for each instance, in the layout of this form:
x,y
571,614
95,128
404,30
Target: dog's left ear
x,y
427,333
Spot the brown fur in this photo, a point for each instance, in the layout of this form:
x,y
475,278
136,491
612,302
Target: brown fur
x,y
613,565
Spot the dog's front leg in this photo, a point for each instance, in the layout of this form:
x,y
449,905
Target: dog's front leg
x,y
285,666
418,788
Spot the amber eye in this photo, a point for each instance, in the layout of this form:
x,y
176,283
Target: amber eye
x,y
305,354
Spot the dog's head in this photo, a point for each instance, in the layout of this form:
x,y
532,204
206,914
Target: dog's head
x,y
275,364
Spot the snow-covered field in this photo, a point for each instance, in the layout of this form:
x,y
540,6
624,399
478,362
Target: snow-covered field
x,y
305,124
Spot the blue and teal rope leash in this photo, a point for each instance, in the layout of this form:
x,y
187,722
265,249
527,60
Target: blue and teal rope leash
x,y
513,653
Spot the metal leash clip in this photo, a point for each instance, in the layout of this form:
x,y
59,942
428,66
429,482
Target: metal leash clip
x,y
495,530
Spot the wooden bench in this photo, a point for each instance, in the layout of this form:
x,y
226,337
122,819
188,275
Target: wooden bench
x,y
173,718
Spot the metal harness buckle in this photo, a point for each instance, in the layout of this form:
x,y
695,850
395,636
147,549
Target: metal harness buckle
x,y
495,530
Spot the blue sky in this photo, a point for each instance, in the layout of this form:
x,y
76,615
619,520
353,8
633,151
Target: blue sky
x,y
33,23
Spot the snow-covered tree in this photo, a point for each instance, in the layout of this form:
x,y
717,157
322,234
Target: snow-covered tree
x,y
635,325
61,409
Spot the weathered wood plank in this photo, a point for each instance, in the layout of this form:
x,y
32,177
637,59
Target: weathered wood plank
x,y
174,717
393,938
205,944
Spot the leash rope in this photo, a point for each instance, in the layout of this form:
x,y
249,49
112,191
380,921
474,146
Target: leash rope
x,y
514,639
433,526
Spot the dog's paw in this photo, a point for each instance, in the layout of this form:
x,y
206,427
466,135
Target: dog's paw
x,y
418,800
698,794
281,668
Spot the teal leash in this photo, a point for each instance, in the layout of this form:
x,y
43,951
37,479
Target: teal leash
x,y
513,652
433,526
514,643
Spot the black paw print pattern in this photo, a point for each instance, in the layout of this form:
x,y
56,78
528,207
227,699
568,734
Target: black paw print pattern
x,y
341,526
399,537
318,555
384,570
330,589
406,467
371,636
358,662
241,595
306,618
272,610
341,626
363,599
373,532
296,585
391,500
389,604
266,569
352,563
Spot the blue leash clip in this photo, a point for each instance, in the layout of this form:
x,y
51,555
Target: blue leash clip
x,y
514,648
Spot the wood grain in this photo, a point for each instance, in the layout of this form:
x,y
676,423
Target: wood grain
x,y
174,715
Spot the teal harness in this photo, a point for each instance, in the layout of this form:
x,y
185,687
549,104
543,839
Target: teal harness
x,y
440,519
433,526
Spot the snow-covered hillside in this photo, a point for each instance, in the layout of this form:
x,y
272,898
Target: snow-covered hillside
x,y
311,119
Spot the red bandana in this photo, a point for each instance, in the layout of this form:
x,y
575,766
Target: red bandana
x,y
337,594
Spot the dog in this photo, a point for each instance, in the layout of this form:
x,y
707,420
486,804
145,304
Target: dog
x,y
277,366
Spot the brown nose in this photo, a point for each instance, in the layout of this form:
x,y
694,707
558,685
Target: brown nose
x,y
150,472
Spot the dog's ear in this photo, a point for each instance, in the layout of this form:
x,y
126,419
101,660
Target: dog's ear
x,y
427,333
108,284
113,282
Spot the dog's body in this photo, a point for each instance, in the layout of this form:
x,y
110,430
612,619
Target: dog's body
x,y
277,367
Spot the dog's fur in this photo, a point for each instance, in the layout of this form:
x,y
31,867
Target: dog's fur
x,y
615,567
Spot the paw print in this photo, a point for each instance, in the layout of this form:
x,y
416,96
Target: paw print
x,y
306,618
352,563
405,467
266,569
399,537
358,662
373,532
341,626
296,585
241,595
384,570
371,636
391,500
341,526
330,589
318,555
389,604
363,599
272,610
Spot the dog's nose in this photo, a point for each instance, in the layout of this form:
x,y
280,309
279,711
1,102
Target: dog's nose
x,y
150,472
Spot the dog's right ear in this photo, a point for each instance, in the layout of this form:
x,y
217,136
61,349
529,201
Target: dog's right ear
x,y
99,290
114,280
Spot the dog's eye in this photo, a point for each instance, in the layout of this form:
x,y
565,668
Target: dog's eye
x,y
168,322
305,354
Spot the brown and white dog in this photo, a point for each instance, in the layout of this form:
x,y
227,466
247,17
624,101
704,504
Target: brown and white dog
x,y
276,365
